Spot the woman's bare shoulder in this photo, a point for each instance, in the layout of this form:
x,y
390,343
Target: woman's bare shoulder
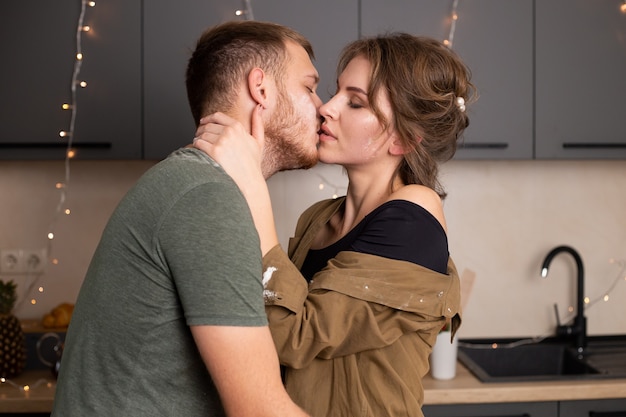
x,y
424,197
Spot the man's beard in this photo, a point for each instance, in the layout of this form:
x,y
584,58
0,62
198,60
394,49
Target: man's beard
x,y
284,149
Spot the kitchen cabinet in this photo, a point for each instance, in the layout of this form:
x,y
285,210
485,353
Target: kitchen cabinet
x,y
168,120
495,39
582,408
547,88
580,81
538,409
38,54
170,33
593,408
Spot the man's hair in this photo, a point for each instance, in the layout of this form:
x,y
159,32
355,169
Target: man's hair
x,y
224,56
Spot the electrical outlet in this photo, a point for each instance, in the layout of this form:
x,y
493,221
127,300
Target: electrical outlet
x,y
10,261
34,261
22,261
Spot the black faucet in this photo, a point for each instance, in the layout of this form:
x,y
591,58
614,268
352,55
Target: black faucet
x,y
579,326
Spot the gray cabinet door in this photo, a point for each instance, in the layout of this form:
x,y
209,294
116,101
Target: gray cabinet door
x,y
172,28
328,24
38,53
538,409
581,82
495,39
593,408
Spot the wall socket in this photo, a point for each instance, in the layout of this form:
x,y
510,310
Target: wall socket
x,y
23,261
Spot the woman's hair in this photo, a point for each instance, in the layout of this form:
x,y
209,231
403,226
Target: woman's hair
x,y
224,56
428,87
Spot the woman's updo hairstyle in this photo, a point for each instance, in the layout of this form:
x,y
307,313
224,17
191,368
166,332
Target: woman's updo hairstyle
x,y
429,87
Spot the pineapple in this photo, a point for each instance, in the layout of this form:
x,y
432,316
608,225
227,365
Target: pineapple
x,y
12,346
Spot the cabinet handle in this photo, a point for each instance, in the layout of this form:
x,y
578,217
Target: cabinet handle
x,y
484,145
607,414
514,415
32,145
583,145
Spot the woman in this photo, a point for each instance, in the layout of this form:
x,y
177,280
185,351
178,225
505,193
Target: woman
x,y
356,332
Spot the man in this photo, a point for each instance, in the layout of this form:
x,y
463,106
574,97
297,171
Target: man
x,y
170,319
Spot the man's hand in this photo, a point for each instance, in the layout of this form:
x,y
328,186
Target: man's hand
x,y
226,141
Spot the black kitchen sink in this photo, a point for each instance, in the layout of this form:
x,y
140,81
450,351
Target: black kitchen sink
x,y
550,359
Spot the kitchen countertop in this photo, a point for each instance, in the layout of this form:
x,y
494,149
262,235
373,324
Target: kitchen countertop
x,y
463,389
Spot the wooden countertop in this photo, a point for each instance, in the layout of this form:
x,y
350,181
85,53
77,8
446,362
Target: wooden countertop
x,y
463,389
466,389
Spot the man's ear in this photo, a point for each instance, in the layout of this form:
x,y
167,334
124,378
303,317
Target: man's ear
x,y
257,85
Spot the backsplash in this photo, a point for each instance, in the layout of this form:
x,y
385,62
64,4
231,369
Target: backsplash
x,y
503,218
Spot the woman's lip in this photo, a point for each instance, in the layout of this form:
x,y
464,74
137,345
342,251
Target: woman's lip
x,y
327,133
324,137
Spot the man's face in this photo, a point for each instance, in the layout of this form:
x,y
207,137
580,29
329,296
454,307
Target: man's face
x,y
292,130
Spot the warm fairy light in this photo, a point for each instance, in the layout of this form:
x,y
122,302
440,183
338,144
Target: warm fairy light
x,y
26,388
453,19
33,301
70,152
605,298
586,300
321,186
247,12
623,7
67,211
40,289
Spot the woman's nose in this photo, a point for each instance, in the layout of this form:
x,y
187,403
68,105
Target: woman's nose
x,y
327,110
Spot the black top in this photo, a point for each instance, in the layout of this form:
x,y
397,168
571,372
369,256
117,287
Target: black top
x,y
397,229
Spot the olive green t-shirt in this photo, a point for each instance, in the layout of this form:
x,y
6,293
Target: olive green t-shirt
x,y
179,250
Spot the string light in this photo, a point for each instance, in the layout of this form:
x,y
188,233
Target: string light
x,y
622,8
621,276
325,182
70,152
26,388
453,19
246,12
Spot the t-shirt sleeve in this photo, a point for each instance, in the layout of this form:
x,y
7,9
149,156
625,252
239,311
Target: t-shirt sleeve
x,y
405,231
209,243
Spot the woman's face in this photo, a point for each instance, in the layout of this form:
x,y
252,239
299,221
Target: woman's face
x,y
351,133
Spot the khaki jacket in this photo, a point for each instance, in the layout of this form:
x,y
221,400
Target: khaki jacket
x,y
356,341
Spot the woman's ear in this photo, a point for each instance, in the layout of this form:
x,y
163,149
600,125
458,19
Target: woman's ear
x,y
396,147
257,85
